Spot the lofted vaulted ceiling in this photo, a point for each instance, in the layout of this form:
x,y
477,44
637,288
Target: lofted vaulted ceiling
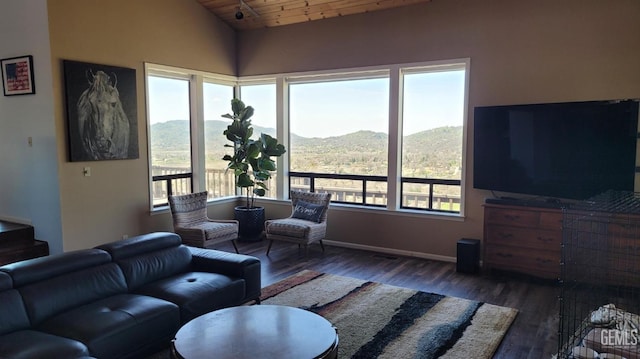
x,y
270,13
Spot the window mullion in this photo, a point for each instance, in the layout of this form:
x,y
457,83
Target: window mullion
x,y
395,140
282,133
196,100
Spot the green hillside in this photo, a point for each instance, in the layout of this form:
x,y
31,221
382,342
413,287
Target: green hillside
x,y
434,153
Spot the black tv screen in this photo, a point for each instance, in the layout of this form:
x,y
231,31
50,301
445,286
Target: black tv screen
x,y
572,150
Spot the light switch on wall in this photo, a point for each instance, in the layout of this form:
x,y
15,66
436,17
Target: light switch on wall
x,y
86,171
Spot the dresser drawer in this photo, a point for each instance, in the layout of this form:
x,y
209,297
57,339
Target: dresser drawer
x,y
511,217
622,247
622,229
551,220
527,240
539,263
523,237
624,272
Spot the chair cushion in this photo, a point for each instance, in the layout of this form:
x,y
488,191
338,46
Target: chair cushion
x,y
220,230
188,209
290,227
197,292
30,344
214,230
308,211
117,325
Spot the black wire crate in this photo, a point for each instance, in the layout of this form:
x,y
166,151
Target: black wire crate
x,y
600,277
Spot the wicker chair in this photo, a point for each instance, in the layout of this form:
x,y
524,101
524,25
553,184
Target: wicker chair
x,y
302,231
190,221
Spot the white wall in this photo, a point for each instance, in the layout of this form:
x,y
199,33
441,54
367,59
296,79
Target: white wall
x,y
29,185
520,51
114,200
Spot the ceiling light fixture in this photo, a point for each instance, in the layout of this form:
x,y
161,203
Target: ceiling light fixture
x,y
240,14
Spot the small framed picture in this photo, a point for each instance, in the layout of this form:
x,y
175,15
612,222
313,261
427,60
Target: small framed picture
x,y
17,76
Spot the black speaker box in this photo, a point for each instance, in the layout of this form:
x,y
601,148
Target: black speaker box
x,y
468,252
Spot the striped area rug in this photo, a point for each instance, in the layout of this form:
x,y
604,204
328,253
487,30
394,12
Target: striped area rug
x,y
376,320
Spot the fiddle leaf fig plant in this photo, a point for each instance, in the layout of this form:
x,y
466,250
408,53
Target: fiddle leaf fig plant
x,y
251,161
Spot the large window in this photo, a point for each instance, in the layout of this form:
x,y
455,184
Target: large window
x,y
186,144
262,97
390,137
217,101
169,137
432,135
340,125
339,137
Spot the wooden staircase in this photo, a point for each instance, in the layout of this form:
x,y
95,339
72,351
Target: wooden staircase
x,y
17,242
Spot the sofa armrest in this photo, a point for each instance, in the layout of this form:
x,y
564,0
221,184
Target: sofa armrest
x,y
230,264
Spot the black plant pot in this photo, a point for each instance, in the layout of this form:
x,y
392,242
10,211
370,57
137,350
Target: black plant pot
x,y
251,222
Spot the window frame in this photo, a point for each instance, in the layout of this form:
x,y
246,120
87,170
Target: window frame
x,y
196,80
269,80
395,74
433,67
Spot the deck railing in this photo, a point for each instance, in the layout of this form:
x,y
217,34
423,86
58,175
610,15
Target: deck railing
x,y
349,189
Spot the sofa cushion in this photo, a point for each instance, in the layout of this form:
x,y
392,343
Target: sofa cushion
x,y
150,257
141,244
150,267
58,294
43,268
12,313
31,344
232,265
118,326
5,281
197,292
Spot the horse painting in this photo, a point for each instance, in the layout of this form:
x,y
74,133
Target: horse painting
x,y
102,123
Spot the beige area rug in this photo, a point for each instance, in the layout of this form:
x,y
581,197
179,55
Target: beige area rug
x,y
375,320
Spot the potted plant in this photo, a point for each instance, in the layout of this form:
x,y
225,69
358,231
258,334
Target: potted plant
x,y
252,164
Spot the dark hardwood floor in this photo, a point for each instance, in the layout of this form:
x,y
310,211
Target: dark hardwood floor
x,y
532,335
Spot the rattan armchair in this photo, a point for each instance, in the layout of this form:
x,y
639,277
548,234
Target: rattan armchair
x,y
299,230
190,221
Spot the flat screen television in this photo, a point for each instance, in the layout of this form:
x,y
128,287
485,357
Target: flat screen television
x,y
571,150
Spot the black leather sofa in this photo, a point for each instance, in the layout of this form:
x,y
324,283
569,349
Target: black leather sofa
x,y
125,299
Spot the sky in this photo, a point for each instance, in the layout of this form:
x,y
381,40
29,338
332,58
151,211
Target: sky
x,y
325,109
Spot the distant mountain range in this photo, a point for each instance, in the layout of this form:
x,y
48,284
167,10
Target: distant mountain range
x,y
432,153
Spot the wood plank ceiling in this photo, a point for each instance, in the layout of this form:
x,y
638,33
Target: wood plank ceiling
x,y
270,13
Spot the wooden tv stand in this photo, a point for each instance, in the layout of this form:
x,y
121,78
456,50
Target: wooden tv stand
x,y
523,239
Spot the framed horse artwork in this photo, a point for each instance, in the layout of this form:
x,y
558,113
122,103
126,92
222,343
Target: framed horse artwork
x,y
101,104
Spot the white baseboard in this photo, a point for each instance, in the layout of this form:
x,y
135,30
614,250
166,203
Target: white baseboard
x,y
391,251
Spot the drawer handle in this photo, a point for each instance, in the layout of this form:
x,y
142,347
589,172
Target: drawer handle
x,y
545,239
504,235
511,217
544,261
504,255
